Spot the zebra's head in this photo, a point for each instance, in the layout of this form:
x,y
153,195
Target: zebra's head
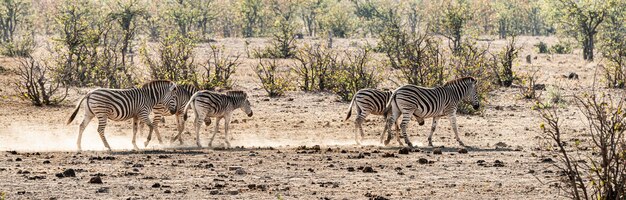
x,y
242,97
472,94
164,93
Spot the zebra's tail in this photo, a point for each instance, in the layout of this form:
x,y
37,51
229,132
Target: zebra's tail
x,y
350,108
188,105
76,110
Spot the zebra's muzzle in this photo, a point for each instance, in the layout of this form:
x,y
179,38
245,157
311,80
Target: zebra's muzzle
x,y
476,107
250,115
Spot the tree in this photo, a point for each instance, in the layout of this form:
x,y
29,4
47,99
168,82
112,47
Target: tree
x,y
581,19
252,15
453,22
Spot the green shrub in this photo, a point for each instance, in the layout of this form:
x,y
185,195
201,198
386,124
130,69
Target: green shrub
x,y
22,47
542,47
274,81
219,68
355,72
561,48
314,67
174,59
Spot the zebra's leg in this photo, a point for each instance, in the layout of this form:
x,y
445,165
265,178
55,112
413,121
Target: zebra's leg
x,y
135,125
406,118
157,118
217,125
226,123
454,128
102,123
390,120
397,133
432,130
180,125
197,124
146,119
358,123
81,128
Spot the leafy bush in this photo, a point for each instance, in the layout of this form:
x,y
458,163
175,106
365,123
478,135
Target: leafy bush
x,y
174,59
529,89
35,83
355,72
274,81
474,61
599,174
283,34
314,67
219,68
504,68
561,48
542,47
418,57
21,47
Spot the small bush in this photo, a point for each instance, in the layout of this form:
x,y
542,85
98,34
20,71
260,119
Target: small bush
x,y
528,89
174,59
419,57
542,47
219,68
561,48
593,170
22,47
473,60
314,67
504,69
274,81
283,34
36,84
355,72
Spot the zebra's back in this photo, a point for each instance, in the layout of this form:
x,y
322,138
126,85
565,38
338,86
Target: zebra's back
x,y
117,104
429,102
213,103
372,100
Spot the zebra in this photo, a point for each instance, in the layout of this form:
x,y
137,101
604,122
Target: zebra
x,y
124,104
410,100
370,101
207,104
183,94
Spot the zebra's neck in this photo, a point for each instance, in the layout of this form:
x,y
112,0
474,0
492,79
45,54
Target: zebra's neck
x,y
236,101
457,91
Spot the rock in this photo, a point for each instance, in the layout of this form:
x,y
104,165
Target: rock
x,y
18,159
539,87
233,192
463,151
316,148
404,150
501,144
67,173
138,165
214,192
388,155
498,163
156,185
437,151
547,160
344,151
46,162
422,161
233,168
95,180
368,170
103,190
350,169
167,191
572,75
240,172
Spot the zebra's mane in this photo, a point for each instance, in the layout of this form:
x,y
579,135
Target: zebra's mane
x,y
236,93
460,80
155,82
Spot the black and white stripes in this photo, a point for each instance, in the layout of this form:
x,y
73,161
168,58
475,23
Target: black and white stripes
x,y
183,93
124,104
207,104
410,100
369,101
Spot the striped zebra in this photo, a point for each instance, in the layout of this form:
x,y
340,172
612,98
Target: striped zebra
x,y
370,101
410,100
183,94
124,104
207,104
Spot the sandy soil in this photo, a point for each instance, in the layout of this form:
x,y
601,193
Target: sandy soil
x,y
507,158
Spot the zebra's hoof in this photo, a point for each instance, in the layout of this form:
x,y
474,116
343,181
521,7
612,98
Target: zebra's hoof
x,y
145,144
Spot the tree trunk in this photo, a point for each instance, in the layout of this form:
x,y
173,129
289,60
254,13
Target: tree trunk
x,y
588,45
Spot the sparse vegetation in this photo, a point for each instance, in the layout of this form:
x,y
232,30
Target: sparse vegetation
x,y
174,59
314,65
219,68
356,72
274,80
37,84
601,176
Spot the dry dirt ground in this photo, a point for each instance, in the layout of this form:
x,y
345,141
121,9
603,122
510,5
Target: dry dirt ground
x,y
507,158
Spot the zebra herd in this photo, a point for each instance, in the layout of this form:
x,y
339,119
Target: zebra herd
x,y
165,98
